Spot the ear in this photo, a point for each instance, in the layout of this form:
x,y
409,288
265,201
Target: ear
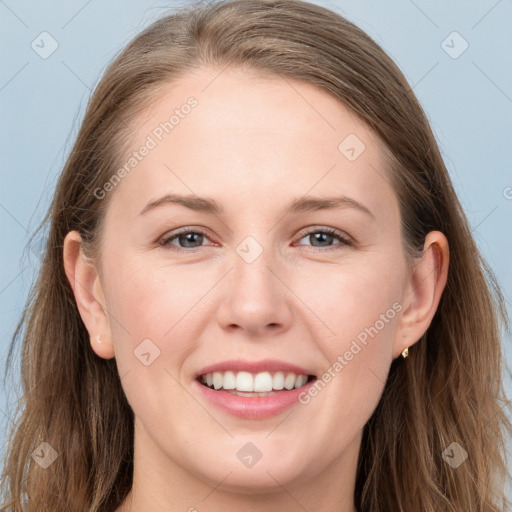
x,y
424,289
85,282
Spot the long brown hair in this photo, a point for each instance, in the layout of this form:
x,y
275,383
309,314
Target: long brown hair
x,y
449,389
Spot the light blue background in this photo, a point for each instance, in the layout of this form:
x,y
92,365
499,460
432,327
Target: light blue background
x,y
468,101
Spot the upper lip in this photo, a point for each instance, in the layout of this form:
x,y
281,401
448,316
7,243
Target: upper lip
x,y
264,365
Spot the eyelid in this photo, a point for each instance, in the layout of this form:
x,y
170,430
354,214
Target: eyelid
x,y
164,241
316,228
345,239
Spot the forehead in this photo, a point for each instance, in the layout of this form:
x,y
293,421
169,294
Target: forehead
x,y
235,133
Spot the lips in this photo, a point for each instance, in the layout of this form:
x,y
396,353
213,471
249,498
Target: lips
x,y
262,382
253,389
254,376
264,365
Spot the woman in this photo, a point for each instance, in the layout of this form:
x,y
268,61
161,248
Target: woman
x,y
260,291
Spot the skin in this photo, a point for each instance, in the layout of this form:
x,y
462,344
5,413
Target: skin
x,y
254,144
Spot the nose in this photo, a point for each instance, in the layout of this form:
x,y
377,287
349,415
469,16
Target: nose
x,y
255,297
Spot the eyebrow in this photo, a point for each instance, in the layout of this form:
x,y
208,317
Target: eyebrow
x,y
300,205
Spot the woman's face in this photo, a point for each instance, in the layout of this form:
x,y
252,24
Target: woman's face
x,y
215,257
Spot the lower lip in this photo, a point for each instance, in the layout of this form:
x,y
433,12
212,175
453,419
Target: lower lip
x,y
254,407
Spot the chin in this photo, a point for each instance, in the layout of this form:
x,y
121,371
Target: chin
x,y
262,480
266,475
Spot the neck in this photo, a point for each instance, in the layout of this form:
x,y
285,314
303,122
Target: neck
x,y
159,484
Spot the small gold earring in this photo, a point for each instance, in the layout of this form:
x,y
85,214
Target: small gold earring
x,y
405,353
98,339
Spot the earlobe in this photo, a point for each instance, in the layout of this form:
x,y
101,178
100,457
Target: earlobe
x,y
102,346
85,283
425,287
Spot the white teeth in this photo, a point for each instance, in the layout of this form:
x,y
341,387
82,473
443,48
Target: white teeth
x,y
263,382
301,380
278,381
229,381
218,379
244,382
289,381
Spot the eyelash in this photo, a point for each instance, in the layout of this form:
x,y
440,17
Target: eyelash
x,y
344,240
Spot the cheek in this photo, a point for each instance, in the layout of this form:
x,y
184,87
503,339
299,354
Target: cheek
x,y
158,303
358,306
156,316
352,296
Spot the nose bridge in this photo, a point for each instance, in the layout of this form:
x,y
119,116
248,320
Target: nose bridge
x,y
255,298
252,269
254,282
